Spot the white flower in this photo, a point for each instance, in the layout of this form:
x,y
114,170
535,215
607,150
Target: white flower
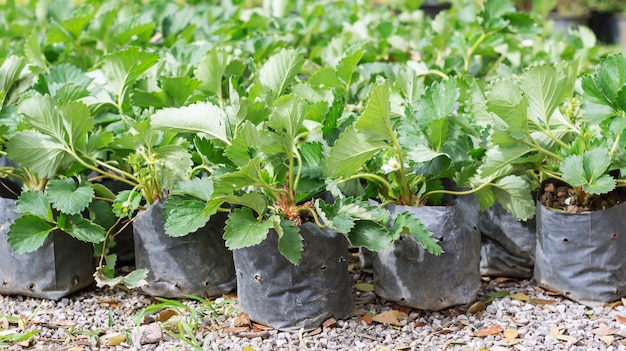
x,y
391,166
526,43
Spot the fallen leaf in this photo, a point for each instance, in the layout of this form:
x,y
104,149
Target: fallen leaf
x,y
616,304
477,307
165,315
367,319
251,335
419,324
257,327
621,318
520,296
236,329
402,347
485,279
63,324
389,317
241,320
109,302
607,339
624,301
301,338
542,302
4,323
556,331
329,323
364,287
568,338
510,333
444,331
315,332
503,279
113,339
602,331
369,337
552,293
494,329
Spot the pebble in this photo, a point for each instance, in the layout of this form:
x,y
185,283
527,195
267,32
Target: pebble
x,y
563,325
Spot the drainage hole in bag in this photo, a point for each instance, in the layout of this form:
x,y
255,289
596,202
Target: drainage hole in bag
x,y
258,278
323,267
342,259
565,240
614,236
75,281
31,286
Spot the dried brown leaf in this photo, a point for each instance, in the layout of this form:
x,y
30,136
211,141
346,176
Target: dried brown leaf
x,y
241,320
621,318
315,332
602,331
367,319
113,339
258,327
165,315
616,304
607,339
367,336
520,296
329,323
494,329
389,317
236,329
503,279
542,302
510,333
477,307
4,323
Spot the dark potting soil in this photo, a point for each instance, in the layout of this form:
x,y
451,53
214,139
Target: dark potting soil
x,y
564,198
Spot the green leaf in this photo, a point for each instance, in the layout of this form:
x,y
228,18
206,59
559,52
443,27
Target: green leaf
x,y
280,70
255,201
204,118
289,240
36,151
82,229
126,203
513,193
9,74
184,215
28,233
347,64
244,145
589,171
546,88
371,235
285,121
174,164
375,122
350,152
210,70
408,223
35,203
124,67
69,197
248,175
342,215
438,101
199,188
243,229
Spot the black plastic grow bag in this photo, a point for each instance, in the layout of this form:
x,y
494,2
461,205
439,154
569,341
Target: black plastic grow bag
x,y
195,264
407,274
507,244
274,292
60,267
581,256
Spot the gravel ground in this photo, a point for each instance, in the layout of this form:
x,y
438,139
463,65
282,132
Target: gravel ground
x,y
509,315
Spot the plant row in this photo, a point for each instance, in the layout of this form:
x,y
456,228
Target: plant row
x,y
284,113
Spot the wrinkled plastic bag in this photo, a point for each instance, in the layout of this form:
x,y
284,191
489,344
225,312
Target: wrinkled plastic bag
x,y
581,256
197,264
274,292
60,267
407,274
